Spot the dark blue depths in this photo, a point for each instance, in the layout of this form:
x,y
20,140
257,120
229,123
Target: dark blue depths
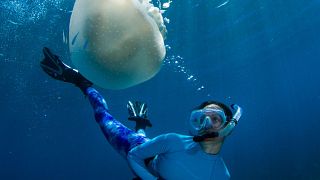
x,y
263,55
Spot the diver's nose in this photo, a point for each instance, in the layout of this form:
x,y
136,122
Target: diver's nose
x,y
207,121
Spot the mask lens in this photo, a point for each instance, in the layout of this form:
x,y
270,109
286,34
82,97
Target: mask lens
x,y
197,119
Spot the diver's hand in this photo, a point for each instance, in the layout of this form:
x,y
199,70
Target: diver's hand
x,y
138,112
141,123
54,67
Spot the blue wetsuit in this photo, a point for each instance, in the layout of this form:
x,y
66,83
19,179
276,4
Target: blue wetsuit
x,y
175,156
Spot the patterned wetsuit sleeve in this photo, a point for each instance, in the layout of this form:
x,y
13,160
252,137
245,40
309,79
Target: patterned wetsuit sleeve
x,y
121,138
101,110
159,145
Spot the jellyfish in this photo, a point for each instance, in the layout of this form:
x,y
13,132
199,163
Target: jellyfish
x,y
117,44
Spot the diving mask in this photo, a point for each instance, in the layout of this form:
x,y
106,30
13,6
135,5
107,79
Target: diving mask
x,y
198,128
204,119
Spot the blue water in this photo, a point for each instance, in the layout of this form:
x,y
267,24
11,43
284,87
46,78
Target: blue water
x,y
263,55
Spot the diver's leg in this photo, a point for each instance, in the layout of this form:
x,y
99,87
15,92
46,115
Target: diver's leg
x,y
119,136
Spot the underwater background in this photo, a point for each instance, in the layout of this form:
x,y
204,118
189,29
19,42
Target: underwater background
x,y
263,55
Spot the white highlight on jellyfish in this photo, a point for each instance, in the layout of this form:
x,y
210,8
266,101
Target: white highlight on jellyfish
x,y
223,4
63,37
166,20
166,4
163,7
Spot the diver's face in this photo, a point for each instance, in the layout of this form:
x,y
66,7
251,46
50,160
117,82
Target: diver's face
x,y
216,120
209,119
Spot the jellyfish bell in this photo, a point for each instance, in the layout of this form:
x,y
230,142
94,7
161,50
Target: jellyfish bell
x,y
117,44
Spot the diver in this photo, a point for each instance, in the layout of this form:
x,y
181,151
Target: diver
x,y
167,156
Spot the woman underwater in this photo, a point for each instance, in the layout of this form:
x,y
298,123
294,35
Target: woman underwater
x,y
167,156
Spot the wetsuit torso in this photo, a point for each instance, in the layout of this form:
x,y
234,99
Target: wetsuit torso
x,y
176,157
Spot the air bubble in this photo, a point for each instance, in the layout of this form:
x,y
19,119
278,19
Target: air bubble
x,y
200,88
177,64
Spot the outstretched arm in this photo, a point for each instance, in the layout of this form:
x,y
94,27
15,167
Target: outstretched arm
x,y
120,137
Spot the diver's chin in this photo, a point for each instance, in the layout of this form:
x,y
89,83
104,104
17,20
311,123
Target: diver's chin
x,y
213,139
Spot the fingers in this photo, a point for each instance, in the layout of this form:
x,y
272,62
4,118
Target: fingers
x,y
45,50
137,111
143,109
51,63
49,71
131,109
48,54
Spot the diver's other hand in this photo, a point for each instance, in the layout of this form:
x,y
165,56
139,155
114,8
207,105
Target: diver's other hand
x,y
138,112
141,123
54,67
